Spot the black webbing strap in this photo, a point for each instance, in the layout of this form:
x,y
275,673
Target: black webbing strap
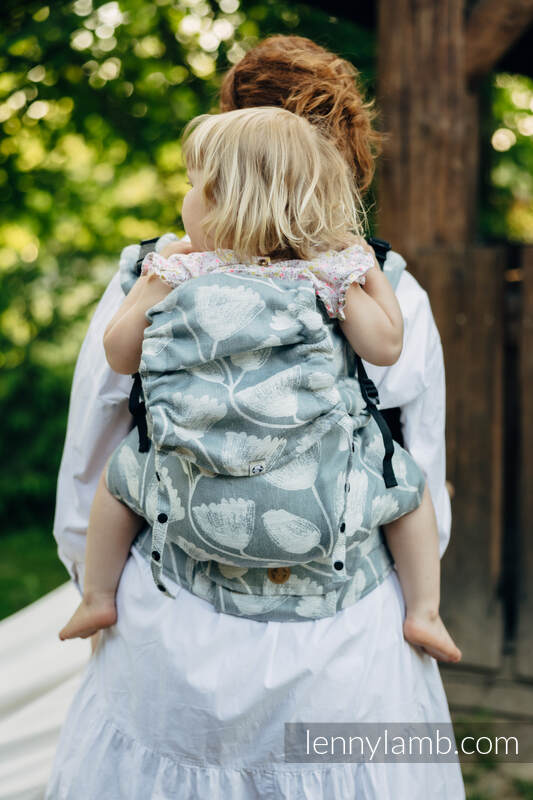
x,y
137,407
380,247
147,246
371,397
368,387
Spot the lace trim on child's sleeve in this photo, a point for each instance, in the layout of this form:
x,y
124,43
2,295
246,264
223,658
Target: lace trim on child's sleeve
x,y
336,272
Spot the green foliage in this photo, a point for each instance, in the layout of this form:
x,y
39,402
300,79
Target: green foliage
x,y
524,788
93,99
29,568
507,210
34,400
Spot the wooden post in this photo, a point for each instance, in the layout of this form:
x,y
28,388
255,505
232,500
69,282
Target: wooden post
x,y
493,27
422,96
524,647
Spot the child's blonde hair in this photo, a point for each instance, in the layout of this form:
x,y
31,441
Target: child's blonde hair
x,y
274,184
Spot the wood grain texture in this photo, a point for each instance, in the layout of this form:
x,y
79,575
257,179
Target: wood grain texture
x,y
422,97
492,28
524,646
465,288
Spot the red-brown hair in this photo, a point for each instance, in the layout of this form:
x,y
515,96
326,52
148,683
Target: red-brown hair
x,y
296,74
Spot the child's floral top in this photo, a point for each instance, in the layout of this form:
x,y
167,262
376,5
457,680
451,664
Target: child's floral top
x,y
331,273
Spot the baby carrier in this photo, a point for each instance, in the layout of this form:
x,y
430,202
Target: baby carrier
x,y
245,385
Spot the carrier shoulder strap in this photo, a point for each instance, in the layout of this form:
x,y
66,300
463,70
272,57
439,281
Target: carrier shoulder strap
x,y
147,246
381,248
136,405
368,387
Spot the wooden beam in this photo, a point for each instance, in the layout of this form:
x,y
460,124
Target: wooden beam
x,y
422,95
493,26
524,647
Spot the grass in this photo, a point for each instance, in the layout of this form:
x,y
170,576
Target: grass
x,y
524,788
485,777
29,568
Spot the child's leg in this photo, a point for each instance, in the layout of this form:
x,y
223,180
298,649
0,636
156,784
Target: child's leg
x,y
414,543
111,531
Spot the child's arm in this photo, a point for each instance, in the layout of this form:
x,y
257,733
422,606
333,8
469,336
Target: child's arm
x,y
373,320
181,246
123,336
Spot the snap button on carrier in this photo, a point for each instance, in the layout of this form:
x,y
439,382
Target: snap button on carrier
x,y
279,574
257,467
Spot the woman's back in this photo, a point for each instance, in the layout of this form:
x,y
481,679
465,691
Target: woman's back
x,y
244,678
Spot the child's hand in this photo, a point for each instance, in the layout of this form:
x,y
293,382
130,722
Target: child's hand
x,y
176,247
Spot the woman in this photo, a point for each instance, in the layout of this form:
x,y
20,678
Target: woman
x,y
181,701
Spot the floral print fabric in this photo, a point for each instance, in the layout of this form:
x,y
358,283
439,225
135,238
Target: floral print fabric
x,y
331,273
263,454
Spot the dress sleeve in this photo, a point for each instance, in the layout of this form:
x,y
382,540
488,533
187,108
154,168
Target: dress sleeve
x,y
177,268
98,419
334,272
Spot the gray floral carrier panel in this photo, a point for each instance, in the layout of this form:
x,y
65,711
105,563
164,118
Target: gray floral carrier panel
x,y
264,476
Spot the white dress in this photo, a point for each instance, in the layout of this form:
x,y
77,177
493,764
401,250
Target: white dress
x,y
182,702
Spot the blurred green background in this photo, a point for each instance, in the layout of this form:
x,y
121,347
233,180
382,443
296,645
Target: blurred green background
x,y
93,99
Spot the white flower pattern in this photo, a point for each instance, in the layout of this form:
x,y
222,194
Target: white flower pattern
x,y
299,473
277,396
212,371
232,572
229,523
291,532
277,354
251,359
177,512
385,508
239,449
197,414
222,311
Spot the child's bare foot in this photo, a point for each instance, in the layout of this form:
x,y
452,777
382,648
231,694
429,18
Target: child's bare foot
x,y
93,613
427,630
